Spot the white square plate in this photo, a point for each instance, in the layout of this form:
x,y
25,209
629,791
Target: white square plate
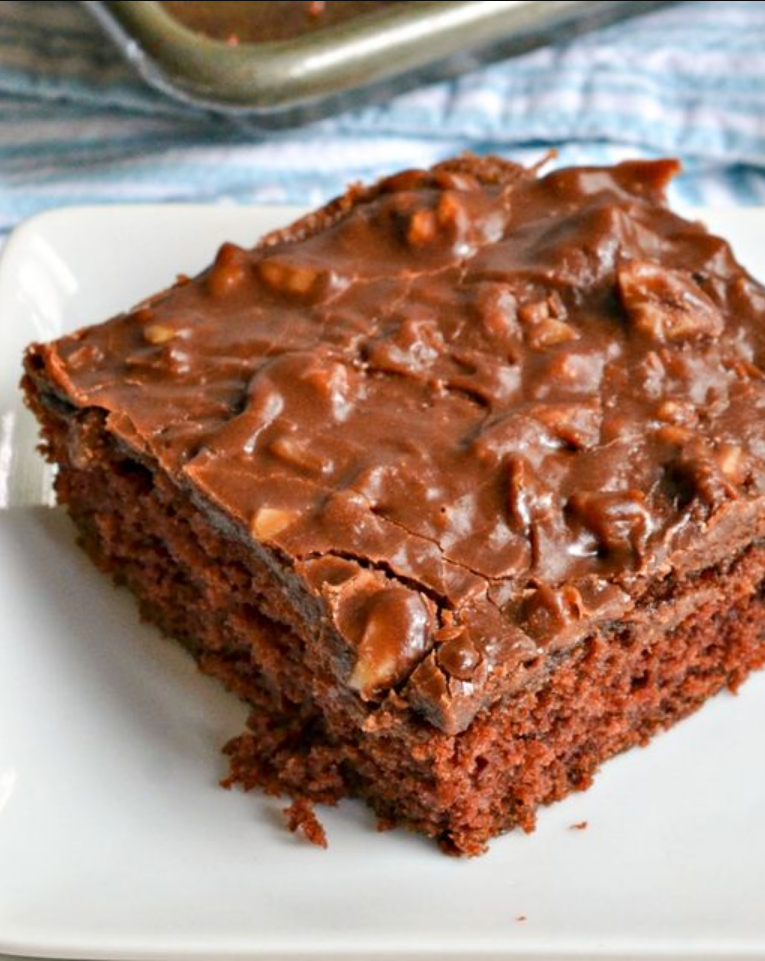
x,y
115,840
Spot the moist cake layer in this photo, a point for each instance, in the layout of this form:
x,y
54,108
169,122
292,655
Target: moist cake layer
x,y
312,740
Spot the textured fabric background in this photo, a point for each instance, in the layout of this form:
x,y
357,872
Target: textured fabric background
x,y
76,126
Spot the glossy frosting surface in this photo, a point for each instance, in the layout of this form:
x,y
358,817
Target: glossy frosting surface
x,y
475,410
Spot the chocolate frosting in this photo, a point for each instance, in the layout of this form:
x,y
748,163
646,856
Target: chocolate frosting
x,y
472,411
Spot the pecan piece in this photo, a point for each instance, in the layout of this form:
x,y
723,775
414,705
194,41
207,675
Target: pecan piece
x,y
459,657
288,278
549,610
620,520
156,334
712,476
530,500
396,634
422,229
666,304
270,521
228,271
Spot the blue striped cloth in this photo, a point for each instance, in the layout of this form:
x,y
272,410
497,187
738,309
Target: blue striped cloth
x,y
76,126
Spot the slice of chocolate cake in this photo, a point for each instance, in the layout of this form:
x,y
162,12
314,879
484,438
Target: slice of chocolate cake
x,y
459,482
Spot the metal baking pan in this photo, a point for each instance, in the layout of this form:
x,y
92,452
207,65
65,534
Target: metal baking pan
x,y
361,60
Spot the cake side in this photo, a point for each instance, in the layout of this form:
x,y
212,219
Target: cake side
x,y
466,418
311,738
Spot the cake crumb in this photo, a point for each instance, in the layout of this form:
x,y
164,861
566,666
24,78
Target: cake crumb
x,y
579,826
521,917
385,824
301,818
